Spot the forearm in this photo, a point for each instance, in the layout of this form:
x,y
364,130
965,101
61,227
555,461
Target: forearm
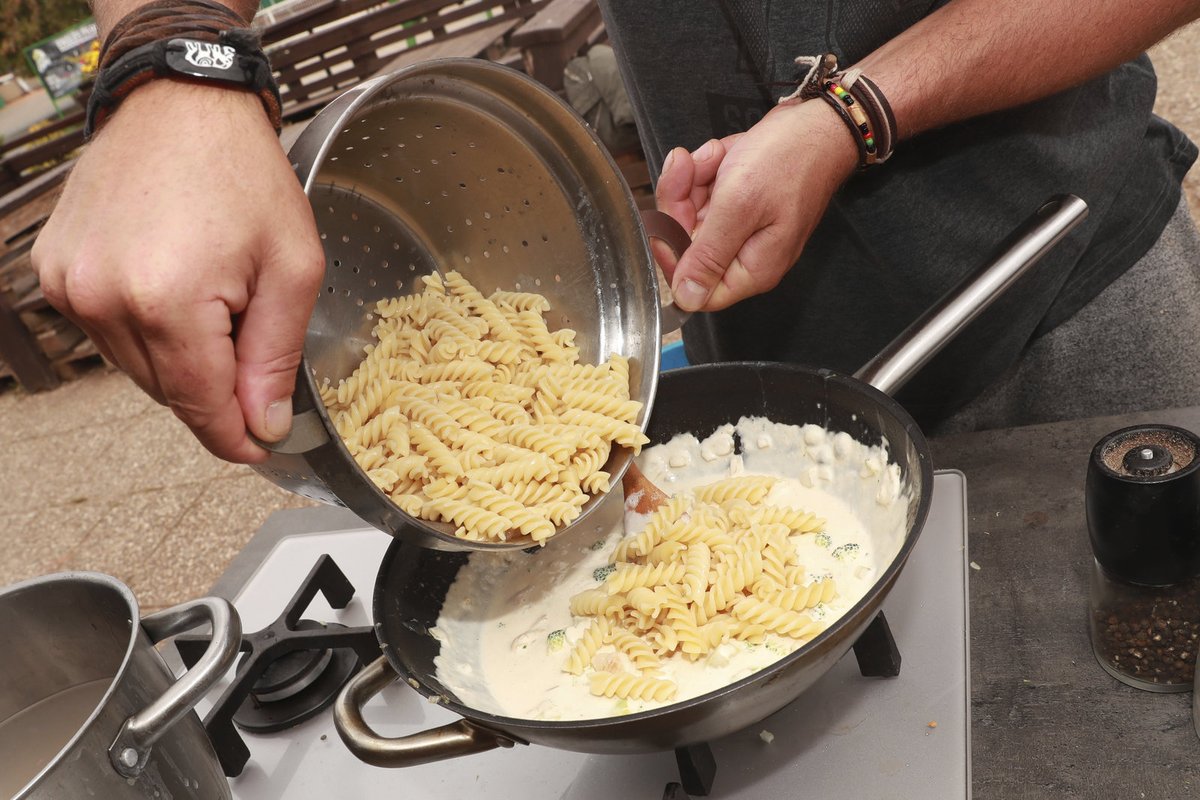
x,y
109,12
973,57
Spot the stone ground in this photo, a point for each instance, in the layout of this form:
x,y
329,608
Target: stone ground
x,y
96,476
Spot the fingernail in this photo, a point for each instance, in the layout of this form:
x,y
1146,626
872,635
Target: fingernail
x,y
279,418
670,160
705,152
690,295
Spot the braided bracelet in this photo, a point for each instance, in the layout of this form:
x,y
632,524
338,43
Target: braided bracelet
x,y
193,40
857,100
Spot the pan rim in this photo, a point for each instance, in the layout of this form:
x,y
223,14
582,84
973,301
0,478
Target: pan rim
x,y
874,596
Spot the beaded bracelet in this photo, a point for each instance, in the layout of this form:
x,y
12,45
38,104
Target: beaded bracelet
x,y
856,99
858,121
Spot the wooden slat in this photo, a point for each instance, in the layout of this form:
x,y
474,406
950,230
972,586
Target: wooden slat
x,y
27,217
44,182
19,349
70,120
361,34
368,63
556,35
557,20
468,45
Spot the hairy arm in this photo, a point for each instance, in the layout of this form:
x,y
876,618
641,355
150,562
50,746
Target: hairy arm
x,y
185,247
109,12
970,57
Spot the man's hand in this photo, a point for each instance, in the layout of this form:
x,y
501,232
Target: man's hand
x,y
185,247
751,201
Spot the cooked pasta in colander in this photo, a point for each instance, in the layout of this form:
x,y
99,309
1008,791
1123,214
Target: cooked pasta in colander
x,y
469,410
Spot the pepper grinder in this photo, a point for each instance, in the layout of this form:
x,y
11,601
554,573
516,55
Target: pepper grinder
x,y
1143,515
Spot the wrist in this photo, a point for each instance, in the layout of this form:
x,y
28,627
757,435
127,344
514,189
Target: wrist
x,y
822,127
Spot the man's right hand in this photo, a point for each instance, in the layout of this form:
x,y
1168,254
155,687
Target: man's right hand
x,y
186,249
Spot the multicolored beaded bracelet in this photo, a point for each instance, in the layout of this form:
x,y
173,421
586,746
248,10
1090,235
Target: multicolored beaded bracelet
x,y
861,123
857,100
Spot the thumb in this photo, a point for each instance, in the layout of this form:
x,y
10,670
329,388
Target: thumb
x,y
270,338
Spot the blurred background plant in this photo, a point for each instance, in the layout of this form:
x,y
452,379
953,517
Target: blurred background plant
x,y
23,22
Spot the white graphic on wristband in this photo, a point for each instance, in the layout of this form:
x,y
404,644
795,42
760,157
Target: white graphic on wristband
x,y
205,54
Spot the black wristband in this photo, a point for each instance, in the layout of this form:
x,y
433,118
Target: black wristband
x,y
235,59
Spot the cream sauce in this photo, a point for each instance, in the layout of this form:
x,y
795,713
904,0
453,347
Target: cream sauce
x,y
500,610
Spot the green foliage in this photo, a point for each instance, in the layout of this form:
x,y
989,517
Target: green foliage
x,y
23,22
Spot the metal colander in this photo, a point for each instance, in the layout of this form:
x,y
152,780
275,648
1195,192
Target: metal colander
x,y
461,164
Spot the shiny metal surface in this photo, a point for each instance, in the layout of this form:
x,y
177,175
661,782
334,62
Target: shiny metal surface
x,y
65,630
411,587
461,164
1196,704
132,748
922,340
462,738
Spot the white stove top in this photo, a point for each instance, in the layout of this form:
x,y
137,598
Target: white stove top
x,y
848,736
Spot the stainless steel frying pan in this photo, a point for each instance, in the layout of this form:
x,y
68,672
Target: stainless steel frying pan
x,y
412,583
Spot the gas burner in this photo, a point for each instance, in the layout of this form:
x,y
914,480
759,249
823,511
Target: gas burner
x,y
290,671
877,656
297,685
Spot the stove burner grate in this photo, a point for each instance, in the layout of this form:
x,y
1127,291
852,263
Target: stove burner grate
x,y
878,657
290,671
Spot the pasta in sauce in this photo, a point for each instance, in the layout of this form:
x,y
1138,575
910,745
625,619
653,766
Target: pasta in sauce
x,y
755,554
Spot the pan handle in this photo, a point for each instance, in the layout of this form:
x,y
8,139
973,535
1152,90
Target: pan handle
x,y
913,348
662,226
462,738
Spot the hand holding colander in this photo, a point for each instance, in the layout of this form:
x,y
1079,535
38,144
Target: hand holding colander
x,y
463,164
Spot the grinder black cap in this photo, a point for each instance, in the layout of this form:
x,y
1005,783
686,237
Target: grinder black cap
x,y
1143,504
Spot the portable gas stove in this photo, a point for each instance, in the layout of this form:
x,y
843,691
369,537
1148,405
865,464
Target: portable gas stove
x,y
849,736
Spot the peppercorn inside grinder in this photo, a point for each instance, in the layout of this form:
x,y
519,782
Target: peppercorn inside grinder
x,y
1143,516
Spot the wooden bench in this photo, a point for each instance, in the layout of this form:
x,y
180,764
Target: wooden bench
x,y
334,45
318,51
21,158
561,31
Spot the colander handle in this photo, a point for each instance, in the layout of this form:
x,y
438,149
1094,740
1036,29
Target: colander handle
x,y
664,228
308,433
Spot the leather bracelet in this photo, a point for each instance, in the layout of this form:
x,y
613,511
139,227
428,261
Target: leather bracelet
x,y
845,115
167,19
860,123
883,121
235,59
858,101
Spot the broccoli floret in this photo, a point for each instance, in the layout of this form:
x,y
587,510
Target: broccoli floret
x,y
599,544
556,640
846,552
822,540
601,573
776,647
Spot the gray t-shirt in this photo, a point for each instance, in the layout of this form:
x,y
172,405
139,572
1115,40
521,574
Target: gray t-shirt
x,y
899,236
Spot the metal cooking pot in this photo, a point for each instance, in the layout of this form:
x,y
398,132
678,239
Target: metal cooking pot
x,y
88,709
412,585
463,164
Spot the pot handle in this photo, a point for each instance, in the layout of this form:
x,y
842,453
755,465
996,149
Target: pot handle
x,y
460,738
1023,248
662,226
131,749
